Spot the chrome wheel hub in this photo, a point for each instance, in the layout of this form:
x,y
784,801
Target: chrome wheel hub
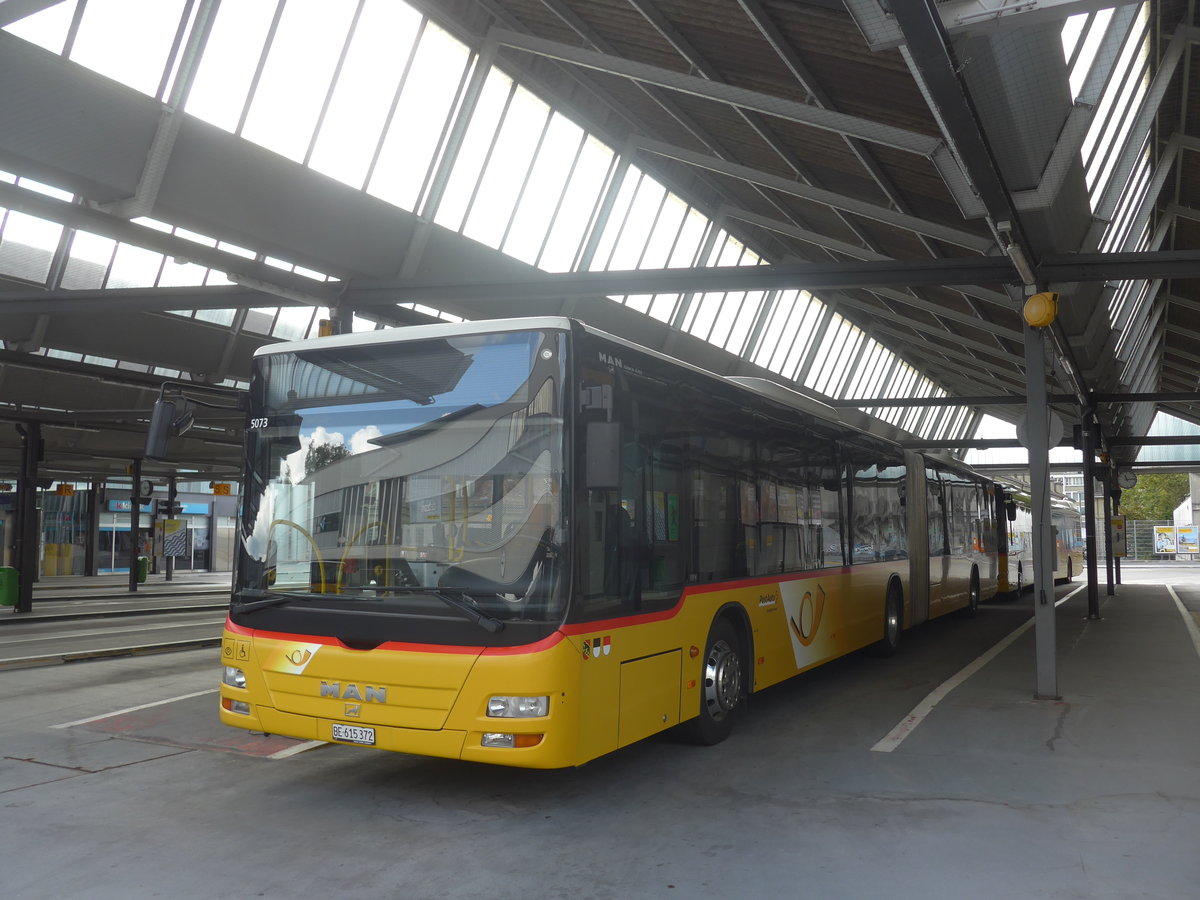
x,y
722,680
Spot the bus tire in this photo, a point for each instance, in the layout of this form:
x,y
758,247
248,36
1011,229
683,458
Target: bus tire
x,y
723,685
893,622
1020,580
1070,568
973,593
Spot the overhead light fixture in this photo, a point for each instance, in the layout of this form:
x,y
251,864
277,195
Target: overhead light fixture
x,y
1014,252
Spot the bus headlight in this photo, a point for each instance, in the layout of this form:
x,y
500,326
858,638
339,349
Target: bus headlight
x,y
234,677
518,707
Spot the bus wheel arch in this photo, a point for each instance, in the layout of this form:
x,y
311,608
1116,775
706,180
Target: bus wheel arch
x,y
893,620
726,677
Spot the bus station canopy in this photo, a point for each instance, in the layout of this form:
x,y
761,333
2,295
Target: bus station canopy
x,y
850,197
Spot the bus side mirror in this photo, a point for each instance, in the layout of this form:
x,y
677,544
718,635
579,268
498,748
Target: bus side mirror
x,y
162,423
166,421
602,456
1010,510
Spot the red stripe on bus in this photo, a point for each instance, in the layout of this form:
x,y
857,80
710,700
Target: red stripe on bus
x,y
663,615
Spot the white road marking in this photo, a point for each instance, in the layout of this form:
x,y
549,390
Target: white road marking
x,y
121,712
299,748
908,724
1188,619
115,629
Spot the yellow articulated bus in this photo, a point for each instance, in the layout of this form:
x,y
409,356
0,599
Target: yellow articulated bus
x,y
529,543
1067,525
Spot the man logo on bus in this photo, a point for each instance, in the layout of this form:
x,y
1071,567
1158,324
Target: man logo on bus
x,y
367,693
809,615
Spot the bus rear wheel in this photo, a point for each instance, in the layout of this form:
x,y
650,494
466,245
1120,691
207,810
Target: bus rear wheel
x,y
973,597
893,623
722,685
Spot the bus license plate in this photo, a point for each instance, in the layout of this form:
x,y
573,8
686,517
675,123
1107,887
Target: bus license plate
x,y
355,734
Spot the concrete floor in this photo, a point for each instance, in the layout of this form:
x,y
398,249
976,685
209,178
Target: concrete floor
x,y
993,795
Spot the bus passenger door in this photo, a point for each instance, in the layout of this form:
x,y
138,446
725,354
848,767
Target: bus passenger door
x,y
916,500
939,551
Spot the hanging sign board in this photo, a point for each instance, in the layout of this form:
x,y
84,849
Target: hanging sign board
x,y
1117,524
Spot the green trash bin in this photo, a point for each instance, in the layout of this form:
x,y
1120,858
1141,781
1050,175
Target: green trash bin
x,y
143,569
10,585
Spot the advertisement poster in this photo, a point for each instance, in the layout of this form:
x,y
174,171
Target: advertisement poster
x,y
1117,524
1164,538
1188,538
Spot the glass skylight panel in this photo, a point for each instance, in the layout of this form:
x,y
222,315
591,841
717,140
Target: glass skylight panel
x,y
216,316
1115,111
799,327
507,166
556,161
1081,36
476,147
47,28
128,40
297,76
27,245
726,319
293,323
260,320
748,312
689,241
664,238
638,225
375,63
579,201
828,338
618,214
231,55
178,272
703,313
134,267
772,333
421,118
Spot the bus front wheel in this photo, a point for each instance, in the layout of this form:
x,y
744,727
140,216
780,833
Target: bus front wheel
x,y
722,685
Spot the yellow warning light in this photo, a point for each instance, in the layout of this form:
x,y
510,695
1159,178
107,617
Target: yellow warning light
x,y
1041,309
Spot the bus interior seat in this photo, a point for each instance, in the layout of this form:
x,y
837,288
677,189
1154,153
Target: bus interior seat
x,y
482,573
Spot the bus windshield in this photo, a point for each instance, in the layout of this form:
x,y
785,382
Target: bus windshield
x,y
415,477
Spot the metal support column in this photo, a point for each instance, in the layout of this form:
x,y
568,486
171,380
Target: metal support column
x,y
1088,434
135,508
171,511
95,491
1108,547
1116,512
28,526
1038,434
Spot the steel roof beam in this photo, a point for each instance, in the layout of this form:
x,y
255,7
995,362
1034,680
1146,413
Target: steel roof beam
x,y
886,215
803,113
961,17
73,215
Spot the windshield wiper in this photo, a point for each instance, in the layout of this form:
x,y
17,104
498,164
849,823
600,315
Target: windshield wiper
x,y
460,603
262,599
